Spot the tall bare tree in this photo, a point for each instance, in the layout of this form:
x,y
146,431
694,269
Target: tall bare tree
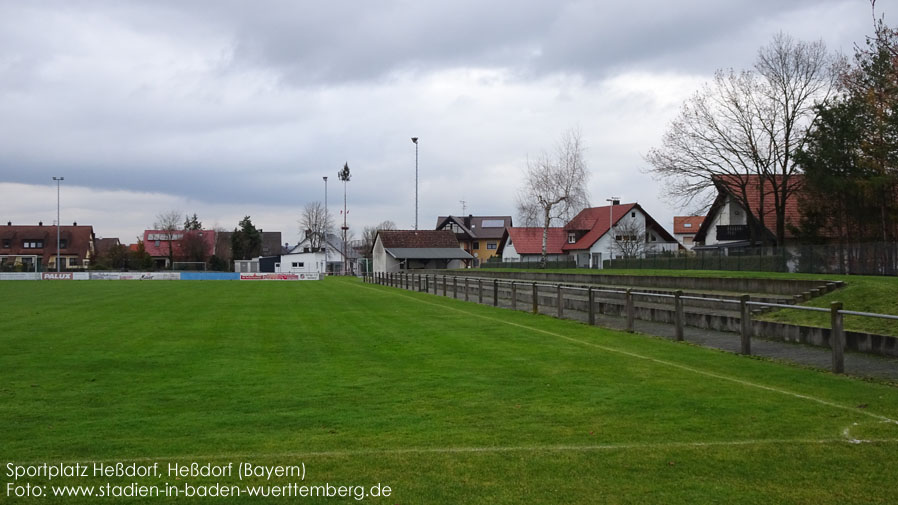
x,y
168,224
369,233
745,127
316,223
554,187
629,238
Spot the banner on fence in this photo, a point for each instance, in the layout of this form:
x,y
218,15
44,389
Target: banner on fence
x,y
20,276
57,276
136,276
279,277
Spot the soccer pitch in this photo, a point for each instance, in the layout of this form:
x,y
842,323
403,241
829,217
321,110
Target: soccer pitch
x,y
444,402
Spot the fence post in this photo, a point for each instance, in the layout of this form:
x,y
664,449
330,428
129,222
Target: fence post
x,y
455,287
445,282
631,312
560,302
466,289
679,316
591,306
837,337
479,290
535,299
514,296
495,292
745,325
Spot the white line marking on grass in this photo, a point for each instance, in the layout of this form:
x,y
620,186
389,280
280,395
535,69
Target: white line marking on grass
x,y
647,358
481,450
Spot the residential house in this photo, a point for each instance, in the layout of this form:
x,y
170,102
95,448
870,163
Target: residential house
x,y
333,254
730,225
480,236
526,245
396,250
19,244
617,230
186,246
685,228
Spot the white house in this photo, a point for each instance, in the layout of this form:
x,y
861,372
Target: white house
x,y
303,262
525,244
618,230
334,253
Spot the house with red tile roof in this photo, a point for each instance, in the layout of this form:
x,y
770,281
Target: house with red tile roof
x,y
685,228
744,215
618,230
19,244
525,244
187,245
396,250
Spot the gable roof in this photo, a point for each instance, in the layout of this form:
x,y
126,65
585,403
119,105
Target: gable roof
x,y
731,185
529,240
421,244
78,239
680,224
596,221
478,227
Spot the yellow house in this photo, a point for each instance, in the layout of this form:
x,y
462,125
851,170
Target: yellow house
x,y
480,236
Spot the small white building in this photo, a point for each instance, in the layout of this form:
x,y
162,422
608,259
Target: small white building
x,y
303,262
396,250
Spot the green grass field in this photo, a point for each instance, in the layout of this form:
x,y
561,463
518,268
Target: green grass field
x,y
445,402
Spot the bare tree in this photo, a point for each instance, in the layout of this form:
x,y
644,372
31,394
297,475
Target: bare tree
x,y
629,238
744,128
369,233
555,186
168,224
316,224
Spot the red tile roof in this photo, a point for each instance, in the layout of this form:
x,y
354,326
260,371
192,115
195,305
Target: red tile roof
x,y
694,222
596,221
161,250
733,186
416,239
530,240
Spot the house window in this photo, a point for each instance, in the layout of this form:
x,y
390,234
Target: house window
x,y
632,214
63,244
157,243
687,225
73,262
33,244
7,243
492,245
476,245
298,264
571,237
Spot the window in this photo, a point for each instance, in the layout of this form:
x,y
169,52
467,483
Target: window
x,y
571,237
63,244
298,264
73,262
687,225
33,244
493,223
7,243
632,214
476,245
492,245
157,243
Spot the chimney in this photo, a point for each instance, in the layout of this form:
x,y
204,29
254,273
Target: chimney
x,y
40,223
75,223
468,221
615,202
9,223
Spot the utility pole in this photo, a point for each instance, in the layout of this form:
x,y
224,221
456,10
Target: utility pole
x,y
325,224
344,176
415,140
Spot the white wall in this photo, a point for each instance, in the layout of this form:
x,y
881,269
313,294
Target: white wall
x,y
305,263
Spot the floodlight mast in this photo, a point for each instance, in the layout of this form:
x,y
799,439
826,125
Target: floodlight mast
x,y
344,176
325,225
58,180
415,140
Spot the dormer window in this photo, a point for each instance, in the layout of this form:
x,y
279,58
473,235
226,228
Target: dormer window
x,y
687,225
571,237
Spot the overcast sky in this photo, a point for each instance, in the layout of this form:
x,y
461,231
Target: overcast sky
x,y
230,108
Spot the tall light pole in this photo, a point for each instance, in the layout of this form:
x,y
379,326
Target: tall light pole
x,y
415,140
58,180
344,176
325,224
611,226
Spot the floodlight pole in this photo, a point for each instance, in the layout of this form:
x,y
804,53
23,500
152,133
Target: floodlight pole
x,y
325,224
415,140
58,180
344,176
